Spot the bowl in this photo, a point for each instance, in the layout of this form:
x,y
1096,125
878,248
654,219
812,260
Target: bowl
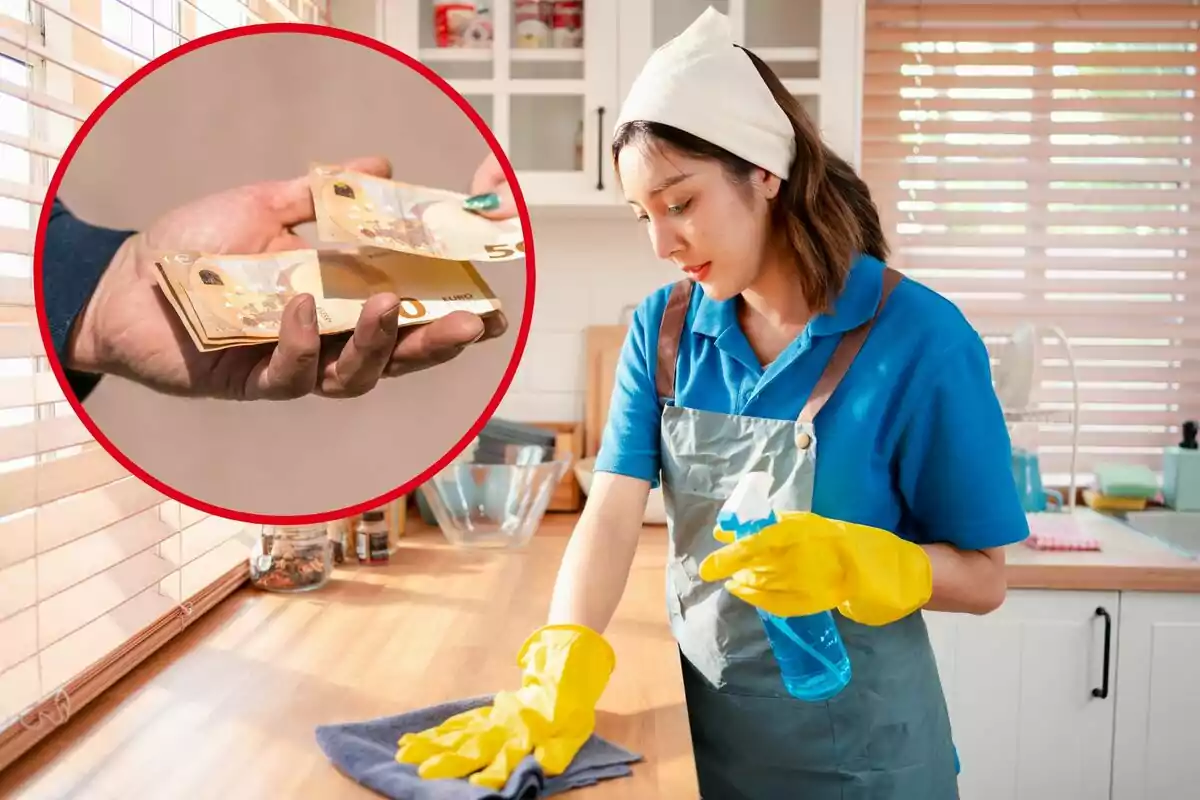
x,y
656,510
492,505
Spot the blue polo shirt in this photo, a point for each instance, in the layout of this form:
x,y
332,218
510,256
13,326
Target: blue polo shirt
x,y
913,440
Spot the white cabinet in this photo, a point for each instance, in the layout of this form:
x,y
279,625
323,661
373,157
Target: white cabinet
x,y
1019,683
1036,715
1157,745
552,108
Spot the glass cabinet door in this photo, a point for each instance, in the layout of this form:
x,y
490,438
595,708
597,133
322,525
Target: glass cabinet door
x,y
786,34
541,74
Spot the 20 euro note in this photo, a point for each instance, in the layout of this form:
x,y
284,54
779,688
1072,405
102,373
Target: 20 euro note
x,y
236,301
355,208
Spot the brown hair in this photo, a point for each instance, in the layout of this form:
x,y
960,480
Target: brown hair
x,y
823,206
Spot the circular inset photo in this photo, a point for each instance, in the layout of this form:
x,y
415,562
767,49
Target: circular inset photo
x,y
267,281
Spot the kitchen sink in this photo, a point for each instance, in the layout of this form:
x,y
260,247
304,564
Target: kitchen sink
x,y
1178,529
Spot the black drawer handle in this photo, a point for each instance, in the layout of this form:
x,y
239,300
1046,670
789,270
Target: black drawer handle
x,y
600,149
1102,692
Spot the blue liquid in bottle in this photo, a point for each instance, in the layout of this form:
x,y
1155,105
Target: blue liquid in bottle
x,y
812,659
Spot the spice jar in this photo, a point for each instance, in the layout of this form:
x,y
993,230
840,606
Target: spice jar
x,y
371,540
291,558
339,539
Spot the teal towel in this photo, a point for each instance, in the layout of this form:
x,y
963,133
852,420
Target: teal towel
x,y
1126,480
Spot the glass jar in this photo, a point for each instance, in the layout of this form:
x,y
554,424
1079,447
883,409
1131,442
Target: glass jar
x,y
372,541
291,558
340,539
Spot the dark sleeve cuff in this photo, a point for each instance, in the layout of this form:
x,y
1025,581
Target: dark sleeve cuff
x,y
74,257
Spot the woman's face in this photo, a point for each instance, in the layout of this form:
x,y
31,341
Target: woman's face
x,y
714,229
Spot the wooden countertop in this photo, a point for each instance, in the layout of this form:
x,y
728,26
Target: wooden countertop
x,y
230,705
1127,561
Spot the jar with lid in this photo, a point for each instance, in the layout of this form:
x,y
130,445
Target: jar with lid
x,y
372,541
291,558
340,539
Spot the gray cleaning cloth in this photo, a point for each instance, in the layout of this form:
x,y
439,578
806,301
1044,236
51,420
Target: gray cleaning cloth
x,y
366,752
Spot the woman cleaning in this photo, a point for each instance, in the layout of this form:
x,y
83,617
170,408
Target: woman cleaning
x,y
788,347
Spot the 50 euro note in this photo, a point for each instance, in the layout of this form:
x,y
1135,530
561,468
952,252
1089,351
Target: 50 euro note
x,y
355,208
238,300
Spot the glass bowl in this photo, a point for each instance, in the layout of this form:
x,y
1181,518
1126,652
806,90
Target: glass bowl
x,y
492,505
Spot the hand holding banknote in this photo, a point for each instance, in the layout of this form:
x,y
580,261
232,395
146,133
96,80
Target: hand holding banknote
x,y
368,211
491,194
129,327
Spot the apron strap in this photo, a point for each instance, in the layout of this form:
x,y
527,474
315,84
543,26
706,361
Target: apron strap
x,y
670,331
843,355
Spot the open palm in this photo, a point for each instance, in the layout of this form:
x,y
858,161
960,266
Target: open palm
x,y
129,328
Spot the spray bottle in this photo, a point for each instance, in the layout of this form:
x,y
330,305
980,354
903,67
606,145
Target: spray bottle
x,y
812,659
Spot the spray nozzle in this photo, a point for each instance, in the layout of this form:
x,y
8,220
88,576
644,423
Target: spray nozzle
x,y
748,509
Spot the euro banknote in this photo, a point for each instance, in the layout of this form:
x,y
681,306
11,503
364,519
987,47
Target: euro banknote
x,y
238,300
366,210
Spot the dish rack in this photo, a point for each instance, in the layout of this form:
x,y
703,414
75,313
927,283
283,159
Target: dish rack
x,y
1015,372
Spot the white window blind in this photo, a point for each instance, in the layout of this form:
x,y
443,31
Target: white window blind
x,y
147,27
217,15
97,569
1037,162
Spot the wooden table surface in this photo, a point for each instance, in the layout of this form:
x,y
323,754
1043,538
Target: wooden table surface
x,y
228,708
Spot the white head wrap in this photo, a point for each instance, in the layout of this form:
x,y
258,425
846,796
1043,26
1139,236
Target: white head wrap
x,y
701,83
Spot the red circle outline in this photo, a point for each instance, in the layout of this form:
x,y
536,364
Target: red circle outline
x,y
255,30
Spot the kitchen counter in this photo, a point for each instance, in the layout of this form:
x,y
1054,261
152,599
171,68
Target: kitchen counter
x,y
227,709
231,703
1127,561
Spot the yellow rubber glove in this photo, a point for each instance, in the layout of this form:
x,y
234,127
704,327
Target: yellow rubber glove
x,y
565,671
805,564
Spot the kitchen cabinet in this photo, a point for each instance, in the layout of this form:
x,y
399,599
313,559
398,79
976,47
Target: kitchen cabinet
x,y
1019,686
552,108
1158,708
814,46
1036,714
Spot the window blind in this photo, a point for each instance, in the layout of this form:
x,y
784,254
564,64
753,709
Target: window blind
x,y
1037,163
97,569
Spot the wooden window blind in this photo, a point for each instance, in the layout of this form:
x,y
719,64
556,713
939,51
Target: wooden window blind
x,y
97,569
1037,162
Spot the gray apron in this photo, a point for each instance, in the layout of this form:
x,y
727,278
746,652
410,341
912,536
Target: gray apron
x,y
886,736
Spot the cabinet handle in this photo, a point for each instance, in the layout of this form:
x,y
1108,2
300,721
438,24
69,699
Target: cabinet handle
x,y
1102,692
600,149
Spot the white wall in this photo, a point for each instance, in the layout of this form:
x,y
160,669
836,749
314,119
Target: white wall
x,y
588,271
